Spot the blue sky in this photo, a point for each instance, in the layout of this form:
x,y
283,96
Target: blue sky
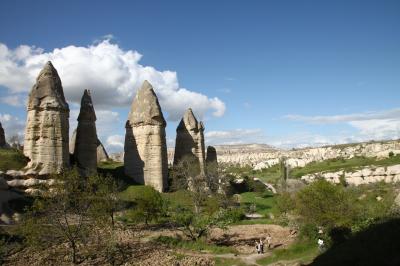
x,y
287,73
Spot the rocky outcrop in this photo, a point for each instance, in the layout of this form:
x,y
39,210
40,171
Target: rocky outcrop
x,y
261,156
3,142
367,175
102,154
145,158
85,152
47,126
190,141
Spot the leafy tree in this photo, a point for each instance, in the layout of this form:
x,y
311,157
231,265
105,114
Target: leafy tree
x,y
325,204
149,205
69,212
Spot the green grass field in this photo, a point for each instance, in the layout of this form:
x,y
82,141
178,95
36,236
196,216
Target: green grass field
x,y
301,252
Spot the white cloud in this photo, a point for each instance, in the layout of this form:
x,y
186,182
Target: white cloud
x,y
16,100
13,126
235,136
385,114
376,125
112,73
115,143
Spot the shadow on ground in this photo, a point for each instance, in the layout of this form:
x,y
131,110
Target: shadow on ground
x,y
377,245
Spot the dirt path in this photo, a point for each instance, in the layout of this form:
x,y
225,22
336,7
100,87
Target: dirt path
x,y
248,259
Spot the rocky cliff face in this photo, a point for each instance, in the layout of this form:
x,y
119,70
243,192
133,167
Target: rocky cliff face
x,y
260,156
2,137
367,175
145,156
190,140
85,152
47,126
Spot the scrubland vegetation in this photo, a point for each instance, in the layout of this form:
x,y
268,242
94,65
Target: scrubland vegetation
x,y
101,219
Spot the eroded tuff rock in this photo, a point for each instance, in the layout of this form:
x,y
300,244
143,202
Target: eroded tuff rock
x,y
3,142
47,126
145,157
85,152
190,140
366,175
102,154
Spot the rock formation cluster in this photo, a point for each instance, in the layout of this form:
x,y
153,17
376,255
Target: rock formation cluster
x,y
47,126
3,142
85,151
189,142
145,158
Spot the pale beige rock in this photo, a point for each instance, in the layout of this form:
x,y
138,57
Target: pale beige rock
x,y
102,154
3,142
85,152
47,126
190,140
145,158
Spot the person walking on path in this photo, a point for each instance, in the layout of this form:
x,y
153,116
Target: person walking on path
x,y
268,239
320,245
261,246
258,247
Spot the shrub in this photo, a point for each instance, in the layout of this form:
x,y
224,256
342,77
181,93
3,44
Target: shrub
x,y
325,204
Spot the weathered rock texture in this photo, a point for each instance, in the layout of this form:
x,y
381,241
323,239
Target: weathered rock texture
x,y
367,175
145,157
102,154
47,126
190,140
261,156
85,152
2,137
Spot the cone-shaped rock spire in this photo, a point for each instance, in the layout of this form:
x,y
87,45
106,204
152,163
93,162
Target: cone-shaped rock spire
x,y
190,140
145,146
2,137
85,152
102,154
47,126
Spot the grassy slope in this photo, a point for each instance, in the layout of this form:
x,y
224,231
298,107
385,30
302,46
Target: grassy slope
x,y
334,165
11,159
301,252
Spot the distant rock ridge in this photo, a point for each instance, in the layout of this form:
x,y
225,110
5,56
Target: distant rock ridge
x,y
47,126
365,175
145,158
190,140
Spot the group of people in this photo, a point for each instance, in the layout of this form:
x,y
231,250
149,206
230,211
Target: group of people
x,y
260,244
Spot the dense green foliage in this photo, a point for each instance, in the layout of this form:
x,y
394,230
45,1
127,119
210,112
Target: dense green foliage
x,y
12,159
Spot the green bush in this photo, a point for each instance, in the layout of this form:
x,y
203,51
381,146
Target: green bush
x,y
325,204
149,205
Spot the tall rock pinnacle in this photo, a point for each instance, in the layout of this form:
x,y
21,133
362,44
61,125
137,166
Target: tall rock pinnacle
x,y
2,137
47,126
190,140
145,157
85,151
